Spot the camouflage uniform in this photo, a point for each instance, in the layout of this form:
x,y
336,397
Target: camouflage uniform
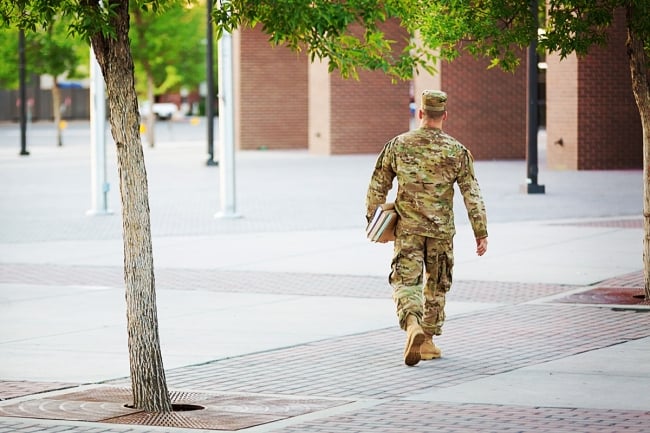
x,y
427,162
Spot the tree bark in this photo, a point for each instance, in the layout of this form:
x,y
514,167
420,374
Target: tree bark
x,y
147,373
641,89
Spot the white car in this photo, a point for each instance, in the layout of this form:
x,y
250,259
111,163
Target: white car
x,y
162,110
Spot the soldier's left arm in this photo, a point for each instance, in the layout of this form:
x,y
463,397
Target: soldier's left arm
x,y
472,197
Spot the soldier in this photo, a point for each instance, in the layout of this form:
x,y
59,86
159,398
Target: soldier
x,y
427,162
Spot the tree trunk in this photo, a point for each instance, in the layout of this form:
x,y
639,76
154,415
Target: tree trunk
x,y
56,110
641,89
147,372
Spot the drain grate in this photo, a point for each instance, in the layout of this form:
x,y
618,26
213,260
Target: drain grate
x,y
113,394
607,295
200,419
69,410
109,404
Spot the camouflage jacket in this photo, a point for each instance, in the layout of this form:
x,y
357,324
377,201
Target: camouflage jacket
x,y
427,162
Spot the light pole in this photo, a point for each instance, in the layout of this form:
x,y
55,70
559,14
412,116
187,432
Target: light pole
x,y
226,128
532,123
23,93
209,97
98,179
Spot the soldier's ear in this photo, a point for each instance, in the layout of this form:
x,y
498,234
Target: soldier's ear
x,y
444,115
420,113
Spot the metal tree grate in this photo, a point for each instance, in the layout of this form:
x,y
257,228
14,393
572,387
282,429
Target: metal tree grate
x,y
214,411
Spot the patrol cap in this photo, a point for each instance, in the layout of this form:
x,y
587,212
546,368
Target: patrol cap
x,y
434,100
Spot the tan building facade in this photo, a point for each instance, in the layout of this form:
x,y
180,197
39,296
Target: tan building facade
x,y
593,120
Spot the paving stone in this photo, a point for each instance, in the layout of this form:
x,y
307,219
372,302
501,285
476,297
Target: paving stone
x,y
406,417
18,388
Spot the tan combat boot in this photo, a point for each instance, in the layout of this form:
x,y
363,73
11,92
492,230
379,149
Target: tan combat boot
x,y
414,339
428,349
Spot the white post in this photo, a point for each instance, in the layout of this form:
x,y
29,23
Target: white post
x,y
226,129
99,185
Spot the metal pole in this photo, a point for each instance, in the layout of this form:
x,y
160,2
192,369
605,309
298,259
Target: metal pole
x,y
532,187
209,97
99,185
226,128
23,93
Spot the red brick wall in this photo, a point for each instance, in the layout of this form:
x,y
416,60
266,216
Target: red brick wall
x,y
365,114
610,135
272,95
486,107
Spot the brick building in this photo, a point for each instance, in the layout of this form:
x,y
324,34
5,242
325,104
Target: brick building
x,y
283,101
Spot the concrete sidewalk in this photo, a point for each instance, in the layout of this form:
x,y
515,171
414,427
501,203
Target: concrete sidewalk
x,y
291,300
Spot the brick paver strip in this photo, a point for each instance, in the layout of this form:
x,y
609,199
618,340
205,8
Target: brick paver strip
x,y
369,365
268,282
409,417
628,223
632,280
18,388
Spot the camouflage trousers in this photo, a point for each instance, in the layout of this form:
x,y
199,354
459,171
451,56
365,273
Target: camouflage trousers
x,y
421,273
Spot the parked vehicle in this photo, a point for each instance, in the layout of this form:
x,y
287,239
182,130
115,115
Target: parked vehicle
x,y
162,110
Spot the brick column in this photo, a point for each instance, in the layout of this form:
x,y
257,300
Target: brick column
x,y
271,94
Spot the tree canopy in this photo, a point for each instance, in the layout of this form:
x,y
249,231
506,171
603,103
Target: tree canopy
x,y
577,26
48,50
168,38
348,34
496,29
169,45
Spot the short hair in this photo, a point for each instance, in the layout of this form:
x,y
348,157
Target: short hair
x,y
432,114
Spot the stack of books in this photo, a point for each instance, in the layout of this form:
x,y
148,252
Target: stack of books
x,y
381,227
